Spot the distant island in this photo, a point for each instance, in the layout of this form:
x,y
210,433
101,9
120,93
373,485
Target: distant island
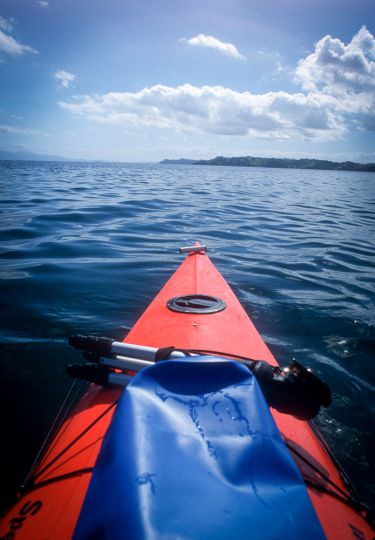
x,y
181,161
29,156
245,161
279,163
24,155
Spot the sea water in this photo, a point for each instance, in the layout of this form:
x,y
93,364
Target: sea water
x,y
86,246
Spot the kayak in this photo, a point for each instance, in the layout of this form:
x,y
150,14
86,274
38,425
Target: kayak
x,y
174,436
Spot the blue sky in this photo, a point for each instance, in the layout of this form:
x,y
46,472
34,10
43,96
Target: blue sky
x,y
145,80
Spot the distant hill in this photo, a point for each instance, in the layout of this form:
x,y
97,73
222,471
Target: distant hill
x,y
30,156
285,163
181,161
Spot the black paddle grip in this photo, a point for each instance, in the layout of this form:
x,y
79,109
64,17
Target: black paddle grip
x,y
93,344
89,372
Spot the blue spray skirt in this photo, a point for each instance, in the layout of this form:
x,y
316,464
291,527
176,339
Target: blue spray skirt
x,y
194,453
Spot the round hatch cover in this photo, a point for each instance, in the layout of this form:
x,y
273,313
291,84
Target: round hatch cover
x,y
196,303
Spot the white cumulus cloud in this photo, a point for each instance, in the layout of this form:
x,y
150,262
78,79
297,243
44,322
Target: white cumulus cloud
x,y
64,78
337,95
342,71
8,43
19,130
5,24
213,109
209,41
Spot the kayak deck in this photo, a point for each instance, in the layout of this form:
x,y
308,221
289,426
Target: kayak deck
x,y
62,477
229,331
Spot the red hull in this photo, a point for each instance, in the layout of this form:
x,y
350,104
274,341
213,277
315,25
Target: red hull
x,y
51,508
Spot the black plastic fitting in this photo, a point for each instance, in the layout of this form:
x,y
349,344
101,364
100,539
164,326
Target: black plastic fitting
x,y
93,344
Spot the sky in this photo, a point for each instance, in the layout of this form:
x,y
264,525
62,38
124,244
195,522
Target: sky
x,y
140,81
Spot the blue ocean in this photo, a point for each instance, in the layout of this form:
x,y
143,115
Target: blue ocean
x,y
86,246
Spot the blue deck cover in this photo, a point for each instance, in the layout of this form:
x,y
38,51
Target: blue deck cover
x,y
194,453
